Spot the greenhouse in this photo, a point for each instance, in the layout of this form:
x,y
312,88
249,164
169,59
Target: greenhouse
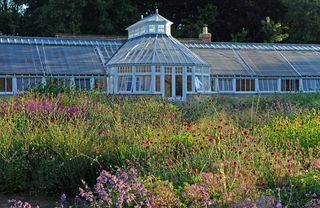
x,y
153,62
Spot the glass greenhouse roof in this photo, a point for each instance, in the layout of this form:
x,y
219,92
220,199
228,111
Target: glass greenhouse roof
x,y
72,56
54,56
259,60
255,46
155,50
59,41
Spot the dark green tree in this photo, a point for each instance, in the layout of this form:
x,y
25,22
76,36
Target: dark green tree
x,y
303,19
192,27
235,15
49,17
108,17
10,17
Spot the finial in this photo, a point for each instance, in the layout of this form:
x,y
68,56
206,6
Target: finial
x,y
157,11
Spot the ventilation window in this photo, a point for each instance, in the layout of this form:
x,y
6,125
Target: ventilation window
x,y
268,85
161,28
245,85
290,85
5,85
151,29
311,85
225,85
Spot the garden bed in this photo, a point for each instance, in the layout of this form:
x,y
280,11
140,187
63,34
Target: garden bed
x,y
211,151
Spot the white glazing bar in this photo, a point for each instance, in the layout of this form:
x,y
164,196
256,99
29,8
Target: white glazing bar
x,y
202,79
115,86
193,79
257,85
301,88
14,85
290,64
72,83
184,83
216,82
162,81
153,79
173,82
279,85
134,79
91,83
43,81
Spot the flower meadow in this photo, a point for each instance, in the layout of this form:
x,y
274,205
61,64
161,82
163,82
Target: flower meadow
x,y
105,151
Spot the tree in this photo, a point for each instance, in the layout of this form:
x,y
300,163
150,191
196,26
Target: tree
x,y
235,15
303,19
108,16
273,32
10,17
48,17
192,27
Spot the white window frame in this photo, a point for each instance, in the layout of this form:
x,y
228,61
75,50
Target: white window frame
x,y
222,87
161,28
152,28
293,81
5,79
247,89
311,85
267,82
123,83
143,83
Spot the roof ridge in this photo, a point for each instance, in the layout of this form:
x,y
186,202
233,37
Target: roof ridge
x,y
146,19
257,46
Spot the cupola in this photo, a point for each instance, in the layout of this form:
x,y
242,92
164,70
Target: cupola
x,y
153,24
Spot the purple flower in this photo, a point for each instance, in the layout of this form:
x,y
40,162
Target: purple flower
x,y
18,204
279,205
125,186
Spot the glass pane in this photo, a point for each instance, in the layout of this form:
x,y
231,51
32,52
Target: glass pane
x,y
9,84
225,85
198,83
289,85
189,83
268,85
124,83
158,83
311,85
168,86
178,85
206,83
151,28
160,28
143,83
213,84
100,83
2,85
82,84
245,85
